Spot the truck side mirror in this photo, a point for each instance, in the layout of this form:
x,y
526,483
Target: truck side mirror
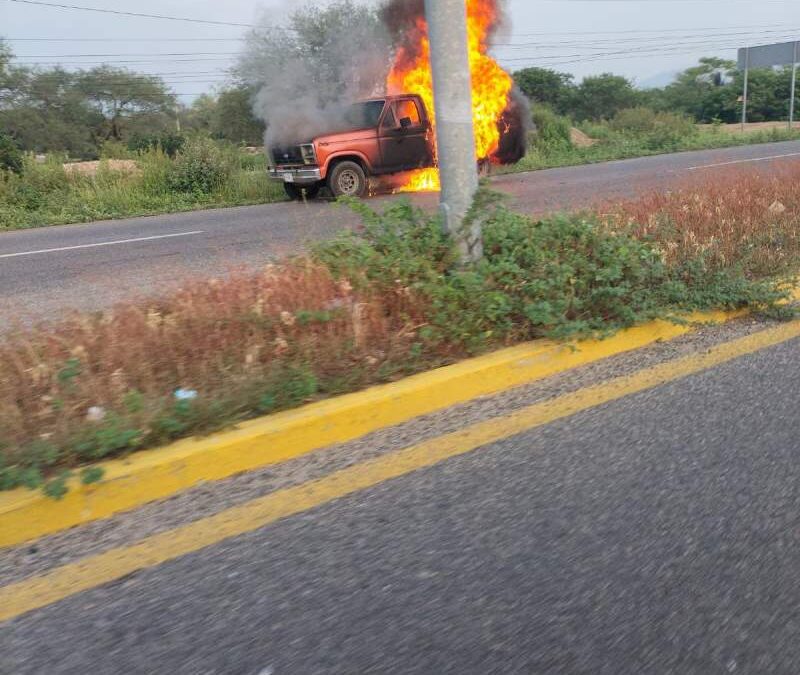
x,y
406,123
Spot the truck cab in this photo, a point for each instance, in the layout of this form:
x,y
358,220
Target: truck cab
x,y
379,136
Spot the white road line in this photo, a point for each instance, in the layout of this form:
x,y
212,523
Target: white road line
x,y
743,161
102,243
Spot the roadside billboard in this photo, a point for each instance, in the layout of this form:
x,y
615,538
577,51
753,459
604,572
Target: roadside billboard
x,y
769,56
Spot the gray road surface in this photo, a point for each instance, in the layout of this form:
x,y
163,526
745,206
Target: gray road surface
x,y
43,272
654,534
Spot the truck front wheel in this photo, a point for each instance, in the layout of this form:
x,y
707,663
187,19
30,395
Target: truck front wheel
x,y
295,192
347,179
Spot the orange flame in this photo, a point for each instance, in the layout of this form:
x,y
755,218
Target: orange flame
x,y
491,85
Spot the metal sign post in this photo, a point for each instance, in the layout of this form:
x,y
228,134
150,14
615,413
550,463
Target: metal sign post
x,y
794,88
746,78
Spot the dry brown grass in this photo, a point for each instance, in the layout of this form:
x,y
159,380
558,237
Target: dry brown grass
x,y
580,139
735,217
90,169
750,127
233,341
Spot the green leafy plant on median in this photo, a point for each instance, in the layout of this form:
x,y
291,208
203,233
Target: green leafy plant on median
x,y
563,276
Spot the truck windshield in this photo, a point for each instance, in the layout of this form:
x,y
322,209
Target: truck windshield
x,y
364,115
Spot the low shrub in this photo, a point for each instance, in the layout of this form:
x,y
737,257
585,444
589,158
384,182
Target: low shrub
x,y
562,276
552,131
112,149
44,194
200,167
658,130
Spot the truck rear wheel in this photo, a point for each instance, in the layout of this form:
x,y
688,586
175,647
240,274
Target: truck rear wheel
x,y
295,192
347,179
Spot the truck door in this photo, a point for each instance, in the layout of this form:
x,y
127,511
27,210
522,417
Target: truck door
x,y
403,137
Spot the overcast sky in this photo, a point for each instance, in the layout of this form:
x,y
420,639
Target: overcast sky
x,y
645,40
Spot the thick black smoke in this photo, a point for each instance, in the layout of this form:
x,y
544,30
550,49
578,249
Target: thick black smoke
x,y
515,125
402,19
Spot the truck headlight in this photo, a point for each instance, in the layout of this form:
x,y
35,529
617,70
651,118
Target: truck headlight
x,y
308,153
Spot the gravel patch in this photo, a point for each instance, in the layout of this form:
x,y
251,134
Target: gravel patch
x,y
17,563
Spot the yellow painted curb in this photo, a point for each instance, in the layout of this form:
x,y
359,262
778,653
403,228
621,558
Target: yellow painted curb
x,y
154,474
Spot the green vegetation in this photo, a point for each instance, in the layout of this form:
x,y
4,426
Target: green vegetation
x,y
633,132
76,112
204,174
370,307
708,93
10,155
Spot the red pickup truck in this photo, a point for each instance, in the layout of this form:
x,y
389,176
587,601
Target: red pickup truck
x,y
378,137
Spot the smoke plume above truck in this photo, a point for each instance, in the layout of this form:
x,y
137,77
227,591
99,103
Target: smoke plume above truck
x,y
307,76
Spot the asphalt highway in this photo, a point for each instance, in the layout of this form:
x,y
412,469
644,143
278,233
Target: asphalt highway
x,y
657,533
90,266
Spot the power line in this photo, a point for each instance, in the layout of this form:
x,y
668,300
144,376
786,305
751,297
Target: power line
x,y
633,51
645,48
236,39
566,43
658,47
136,14
643,31
95,63
648,44
186,73
510,45
646,30
605,57
87,56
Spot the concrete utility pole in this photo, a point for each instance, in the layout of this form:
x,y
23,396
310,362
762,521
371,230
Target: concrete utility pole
x,y
746,80
455,135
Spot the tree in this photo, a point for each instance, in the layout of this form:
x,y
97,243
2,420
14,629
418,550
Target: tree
x,y
705,91
10,156
768,93
57,110
5,56
602,96
10,77
121,96
44,112
547,86
233,118
711,90
200,115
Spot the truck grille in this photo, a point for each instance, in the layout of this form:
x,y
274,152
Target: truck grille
x,y
293,154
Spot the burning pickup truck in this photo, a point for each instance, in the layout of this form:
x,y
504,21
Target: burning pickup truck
x,y
377,137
